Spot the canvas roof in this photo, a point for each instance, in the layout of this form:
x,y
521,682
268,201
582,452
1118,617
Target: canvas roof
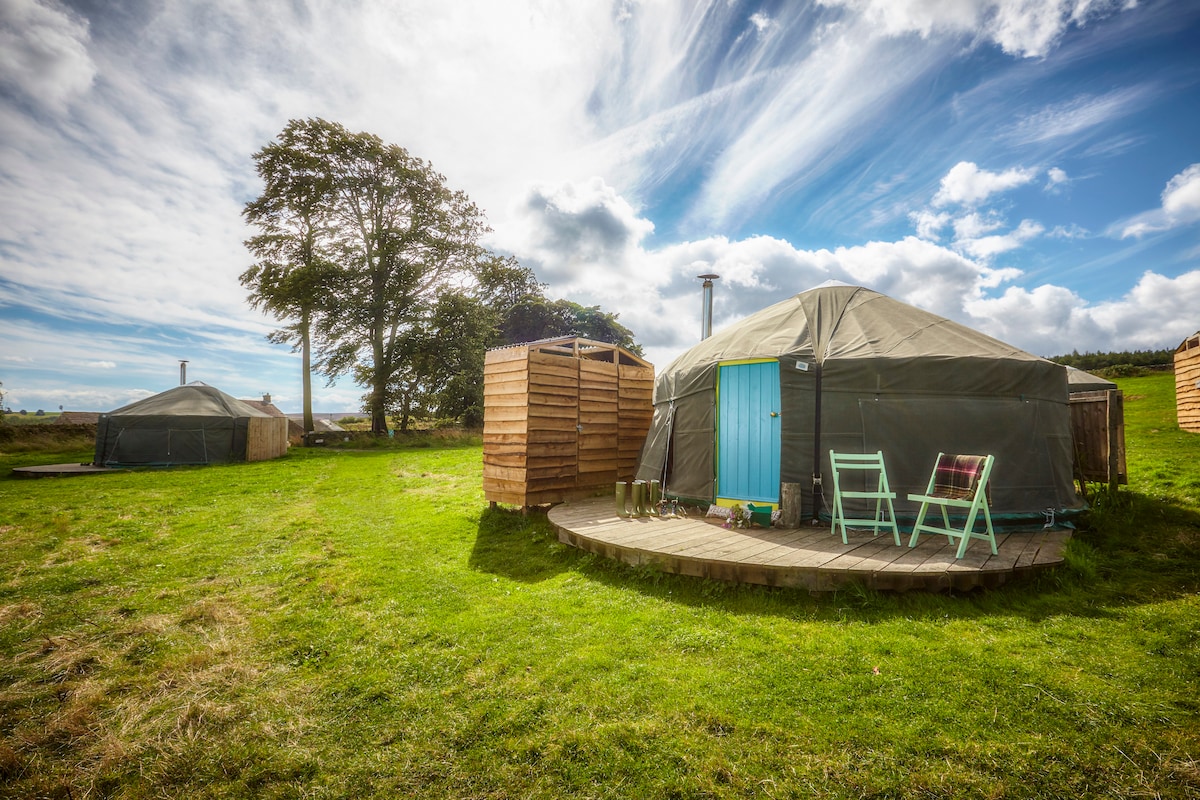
x,y
839,322
1080,381
195,399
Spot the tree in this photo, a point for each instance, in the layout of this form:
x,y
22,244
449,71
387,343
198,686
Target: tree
x,y
407,238
538,318
294,265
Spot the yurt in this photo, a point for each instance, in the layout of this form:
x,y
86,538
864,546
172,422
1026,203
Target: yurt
x,y
190,424
1080,381
762,402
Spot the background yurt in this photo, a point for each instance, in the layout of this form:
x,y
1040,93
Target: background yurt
x,y
190,424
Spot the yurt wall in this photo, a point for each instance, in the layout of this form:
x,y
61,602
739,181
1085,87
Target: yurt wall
x,y
562,417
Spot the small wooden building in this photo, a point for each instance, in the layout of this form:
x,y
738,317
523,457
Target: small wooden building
x,y
1098,431
562,418
1187,383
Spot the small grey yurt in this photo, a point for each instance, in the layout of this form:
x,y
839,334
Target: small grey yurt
x,y
190,424
1080,381
762,402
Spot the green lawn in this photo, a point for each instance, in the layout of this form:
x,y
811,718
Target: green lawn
x,y
358,624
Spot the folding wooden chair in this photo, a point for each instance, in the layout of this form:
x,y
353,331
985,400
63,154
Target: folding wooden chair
x,y
958,482
881,494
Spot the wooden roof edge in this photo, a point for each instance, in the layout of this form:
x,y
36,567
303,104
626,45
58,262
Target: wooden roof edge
x,y
1189,342
578,346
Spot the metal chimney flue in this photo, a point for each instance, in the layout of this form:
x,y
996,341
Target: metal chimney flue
x,y
182,372
706,312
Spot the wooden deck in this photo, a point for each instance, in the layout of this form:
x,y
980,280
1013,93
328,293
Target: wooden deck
x,y
63,470
811,557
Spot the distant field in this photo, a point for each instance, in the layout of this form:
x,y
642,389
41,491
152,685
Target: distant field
x,y
346,624
29,419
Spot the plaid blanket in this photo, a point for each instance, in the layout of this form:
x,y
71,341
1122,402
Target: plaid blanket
x,y
955,477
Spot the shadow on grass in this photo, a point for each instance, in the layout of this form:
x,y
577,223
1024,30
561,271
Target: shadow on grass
x,y
519,547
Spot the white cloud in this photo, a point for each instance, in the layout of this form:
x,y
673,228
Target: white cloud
x,y
966,184
44,52
575,234
1180,206
987,247
1028,28
974,225
1181,198
1056,179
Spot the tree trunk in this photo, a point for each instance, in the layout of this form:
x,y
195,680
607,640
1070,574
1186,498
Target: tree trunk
x,y
306,366
378,412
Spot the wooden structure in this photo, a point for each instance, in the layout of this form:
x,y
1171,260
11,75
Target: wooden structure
x,y
1187,383
266,438
1098,431
810,557
562,418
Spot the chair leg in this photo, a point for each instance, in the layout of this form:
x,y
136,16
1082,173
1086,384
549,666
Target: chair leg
x,y
895,525
839,518
946,526
966,537
987,518
912,540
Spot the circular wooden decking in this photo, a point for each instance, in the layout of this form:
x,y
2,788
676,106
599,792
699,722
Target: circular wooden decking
x,y
63,470
810,558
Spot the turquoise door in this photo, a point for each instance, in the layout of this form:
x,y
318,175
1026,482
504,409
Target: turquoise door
x,y
748,432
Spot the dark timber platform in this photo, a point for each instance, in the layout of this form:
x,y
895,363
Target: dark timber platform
x,y
62,470
810,557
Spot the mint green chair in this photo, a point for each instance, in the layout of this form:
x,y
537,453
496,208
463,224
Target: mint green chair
x,y
961,483
865,463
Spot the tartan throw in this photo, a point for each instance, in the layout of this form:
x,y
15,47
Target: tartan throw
x,y
955,477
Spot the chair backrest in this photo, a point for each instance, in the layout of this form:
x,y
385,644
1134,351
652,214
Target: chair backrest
x,y
958,477
861,462
864,461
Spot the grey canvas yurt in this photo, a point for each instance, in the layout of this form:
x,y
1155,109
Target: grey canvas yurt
x,y
191,424
1080,381
845,368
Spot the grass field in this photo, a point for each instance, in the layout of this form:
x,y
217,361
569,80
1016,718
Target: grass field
x,y
341,624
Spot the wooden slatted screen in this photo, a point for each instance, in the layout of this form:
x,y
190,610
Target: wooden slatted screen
x,y
562,418
1187,384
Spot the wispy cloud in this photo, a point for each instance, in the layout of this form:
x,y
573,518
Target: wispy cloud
x,y
1019,27
1070,118
44,53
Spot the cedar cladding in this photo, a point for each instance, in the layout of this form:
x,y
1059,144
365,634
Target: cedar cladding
x,y
562,418
1187,383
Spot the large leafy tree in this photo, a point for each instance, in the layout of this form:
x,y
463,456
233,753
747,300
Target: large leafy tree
x,y
375,266
358,241
295,262
406,239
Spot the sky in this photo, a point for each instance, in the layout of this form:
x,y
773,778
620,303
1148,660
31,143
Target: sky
x,y
1030,168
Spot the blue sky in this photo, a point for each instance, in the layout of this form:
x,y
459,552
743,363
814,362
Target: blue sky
x,y
1031,169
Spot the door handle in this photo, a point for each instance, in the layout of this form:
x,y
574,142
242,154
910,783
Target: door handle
x,y
774,413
